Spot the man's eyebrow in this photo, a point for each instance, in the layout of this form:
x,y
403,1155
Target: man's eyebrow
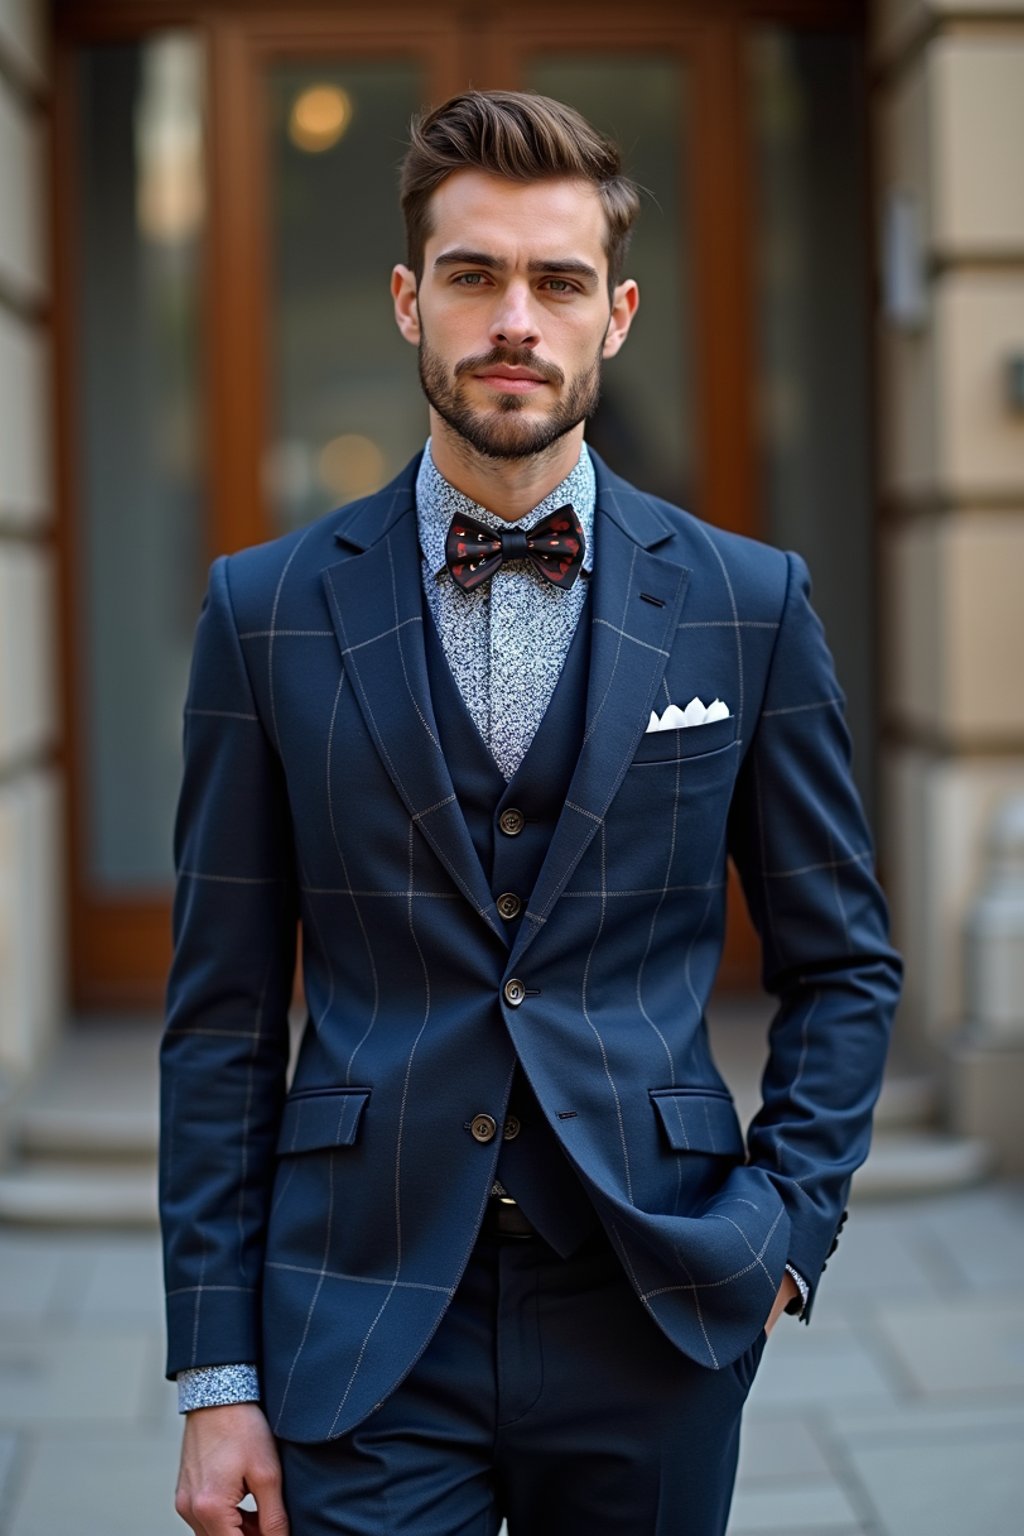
x,y
558,266
568,266
463,257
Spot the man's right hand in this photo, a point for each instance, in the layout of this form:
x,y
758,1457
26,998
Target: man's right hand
x,y
226,1453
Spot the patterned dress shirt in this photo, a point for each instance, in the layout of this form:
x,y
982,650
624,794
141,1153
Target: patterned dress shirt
x,y
506,641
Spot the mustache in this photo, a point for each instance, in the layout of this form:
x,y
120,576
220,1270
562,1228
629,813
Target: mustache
x,y
512,357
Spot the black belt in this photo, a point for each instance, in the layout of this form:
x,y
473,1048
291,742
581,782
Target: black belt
x,y
504,1218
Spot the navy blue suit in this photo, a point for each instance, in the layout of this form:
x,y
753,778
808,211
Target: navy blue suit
x,y
323,1231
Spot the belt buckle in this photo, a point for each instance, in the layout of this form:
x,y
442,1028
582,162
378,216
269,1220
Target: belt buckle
x,y
507,1218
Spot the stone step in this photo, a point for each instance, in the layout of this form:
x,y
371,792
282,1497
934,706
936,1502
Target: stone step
x,y
906,1163
73,1195
909,1100
123,1131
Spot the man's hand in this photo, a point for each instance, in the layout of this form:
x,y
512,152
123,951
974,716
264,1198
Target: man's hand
x,y
787,1290
225,1454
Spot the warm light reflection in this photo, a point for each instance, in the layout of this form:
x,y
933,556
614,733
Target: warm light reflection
x,y
170,195
319,117
351,465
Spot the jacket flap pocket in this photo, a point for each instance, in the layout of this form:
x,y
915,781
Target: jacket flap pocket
x,y
695,1121
314,1120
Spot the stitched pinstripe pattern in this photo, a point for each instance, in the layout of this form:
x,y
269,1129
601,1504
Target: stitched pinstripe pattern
x,y
399,1144
623,634
670,860
757,1262
601,1045
386,1280
348,889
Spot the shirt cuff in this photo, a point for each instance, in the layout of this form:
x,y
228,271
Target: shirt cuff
x,y
802,1287
215,1386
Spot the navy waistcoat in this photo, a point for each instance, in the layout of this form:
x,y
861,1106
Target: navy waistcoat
x,y
531,1165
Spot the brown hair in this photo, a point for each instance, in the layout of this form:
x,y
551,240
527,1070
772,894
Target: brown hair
x,y
523,137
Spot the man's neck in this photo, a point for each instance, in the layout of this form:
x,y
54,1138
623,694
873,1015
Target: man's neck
x,y
508,487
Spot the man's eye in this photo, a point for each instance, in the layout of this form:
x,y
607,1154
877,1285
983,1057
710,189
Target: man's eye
x,y
560,285
470,279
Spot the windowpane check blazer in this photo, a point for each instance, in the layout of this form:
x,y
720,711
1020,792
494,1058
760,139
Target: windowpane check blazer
x,y
319,1225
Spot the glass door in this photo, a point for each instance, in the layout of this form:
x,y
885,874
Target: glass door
x,y
229,368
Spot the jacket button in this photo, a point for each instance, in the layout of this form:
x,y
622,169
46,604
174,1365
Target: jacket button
x,y
514,991
509,905
512,1128
511,821
483,1127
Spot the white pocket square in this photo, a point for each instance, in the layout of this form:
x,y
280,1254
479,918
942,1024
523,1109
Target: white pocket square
x,y
695,713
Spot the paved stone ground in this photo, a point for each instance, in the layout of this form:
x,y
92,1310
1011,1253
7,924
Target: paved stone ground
x,y
898,1412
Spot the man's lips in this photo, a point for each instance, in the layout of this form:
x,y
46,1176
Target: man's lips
x,y
510,380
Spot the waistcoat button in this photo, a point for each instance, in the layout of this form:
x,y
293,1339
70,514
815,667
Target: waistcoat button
x,y
514,991
511,821
509,905
483,1127
512,1128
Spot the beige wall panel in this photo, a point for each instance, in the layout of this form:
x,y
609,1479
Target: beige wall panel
x,y
907,443
895,22
937,815
32,944
903,141
954,626
978,125
23,189
28,678
25,495
24,36
983,561
979,322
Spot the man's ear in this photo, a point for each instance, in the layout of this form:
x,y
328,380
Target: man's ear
x,y
407,314
625,301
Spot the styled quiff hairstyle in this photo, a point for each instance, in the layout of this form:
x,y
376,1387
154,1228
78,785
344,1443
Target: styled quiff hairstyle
x,y
523,137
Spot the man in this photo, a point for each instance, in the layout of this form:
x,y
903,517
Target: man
x,y
499,1249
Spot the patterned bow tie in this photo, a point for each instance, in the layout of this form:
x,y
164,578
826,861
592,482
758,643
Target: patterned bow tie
x,y
555,546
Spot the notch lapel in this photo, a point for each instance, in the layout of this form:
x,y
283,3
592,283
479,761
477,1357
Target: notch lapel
x,y
376,604
630,642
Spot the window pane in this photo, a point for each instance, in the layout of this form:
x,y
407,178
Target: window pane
x,y
645,423
347,411
140,493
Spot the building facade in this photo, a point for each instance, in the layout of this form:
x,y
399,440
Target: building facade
x,y
197,218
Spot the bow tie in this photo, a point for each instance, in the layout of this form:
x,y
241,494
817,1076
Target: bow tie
x,y
554,546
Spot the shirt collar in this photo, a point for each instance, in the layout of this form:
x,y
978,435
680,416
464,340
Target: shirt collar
x,y
437,502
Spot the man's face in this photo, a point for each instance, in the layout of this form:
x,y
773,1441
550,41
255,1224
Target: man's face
x,y
512,315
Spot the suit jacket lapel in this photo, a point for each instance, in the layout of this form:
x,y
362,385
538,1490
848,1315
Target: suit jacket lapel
x,y
636,600
376,603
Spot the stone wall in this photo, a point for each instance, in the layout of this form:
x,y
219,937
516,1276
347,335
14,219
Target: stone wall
x,y
948,115
32,944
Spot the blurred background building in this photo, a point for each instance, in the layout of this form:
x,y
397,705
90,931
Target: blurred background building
x,y
198,217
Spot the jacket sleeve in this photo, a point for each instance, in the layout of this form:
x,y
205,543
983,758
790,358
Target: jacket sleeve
x,y
800,842
224,1051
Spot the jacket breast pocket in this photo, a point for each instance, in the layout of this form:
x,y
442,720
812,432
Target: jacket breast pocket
x,y
699,1120
688,742
317,1119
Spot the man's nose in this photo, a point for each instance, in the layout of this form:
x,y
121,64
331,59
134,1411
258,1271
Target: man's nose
x,y
515,320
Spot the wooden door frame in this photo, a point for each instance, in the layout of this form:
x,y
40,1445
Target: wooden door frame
x,y
119,946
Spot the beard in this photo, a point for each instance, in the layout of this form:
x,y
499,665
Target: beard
x,y
505,431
